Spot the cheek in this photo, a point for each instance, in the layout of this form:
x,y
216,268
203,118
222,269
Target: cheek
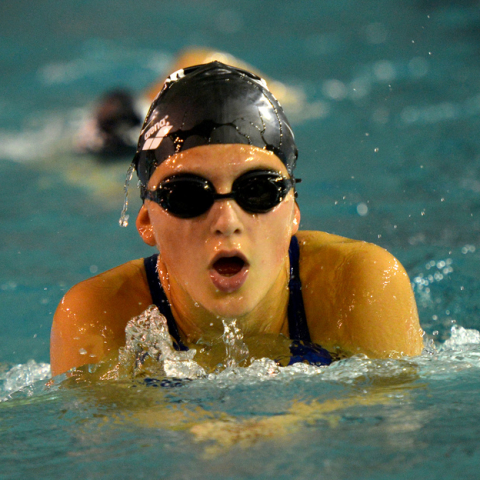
x,y
281,225
177,242
274,237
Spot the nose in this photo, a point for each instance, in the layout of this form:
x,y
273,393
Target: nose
x,y
225,218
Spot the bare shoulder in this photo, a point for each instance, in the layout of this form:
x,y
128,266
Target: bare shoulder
x,y
111,290
312,242
322,251
114,280
357,296
90,319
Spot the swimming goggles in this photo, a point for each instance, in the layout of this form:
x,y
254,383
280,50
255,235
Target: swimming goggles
x,y
189,196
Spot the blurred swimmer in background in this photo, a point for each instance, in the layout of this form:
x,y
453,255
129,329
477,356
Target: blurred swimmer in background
x,y
215,160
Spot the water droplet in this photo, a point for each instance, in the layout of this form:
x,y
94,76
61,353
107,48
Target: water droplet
x,y
362,209
335,89
123,222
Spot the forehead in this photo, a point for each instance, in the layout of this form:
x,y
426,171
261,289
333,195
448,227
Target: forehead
x,y
213,161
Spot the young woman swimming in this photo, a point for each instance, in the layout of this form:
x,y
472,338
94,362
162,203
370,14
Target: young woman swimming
x,y
215,160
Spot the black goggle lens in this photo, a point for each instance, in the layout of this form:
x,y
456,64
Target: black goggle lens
x,y
184,197
189,196
260,194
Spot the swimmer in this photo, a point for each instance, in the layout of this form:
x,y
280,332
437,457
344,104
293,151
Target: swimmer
x,y
112,132
215,160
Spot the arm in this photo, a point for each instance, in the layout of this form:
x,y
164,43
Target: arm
x,y
91,318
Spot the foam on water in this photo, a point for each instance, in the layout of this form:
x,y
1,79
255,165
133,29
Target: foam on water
x,y
21,376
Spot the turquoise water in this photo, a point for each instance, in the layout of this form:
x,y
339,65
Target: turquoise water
x,y
389,152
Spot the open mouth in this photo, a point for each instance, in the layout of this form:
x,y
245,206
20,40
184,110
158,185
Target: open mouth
x,y
229,271
229,266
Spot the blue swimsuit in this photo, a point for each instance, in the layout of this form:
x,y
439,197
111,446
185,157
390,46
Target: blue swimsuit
x,y
302,348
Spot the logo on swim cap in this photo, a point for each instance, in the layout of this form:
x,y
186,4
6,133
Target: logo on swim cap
x,y
160,129
175,76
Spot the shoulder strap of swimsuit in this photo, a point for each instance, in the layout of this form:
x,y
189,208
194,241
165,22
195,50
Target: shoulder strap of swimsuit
x,y
297,319
159,298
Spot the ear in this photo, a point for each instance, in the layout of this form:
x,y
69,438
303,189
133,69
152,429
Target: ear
x,y
144,226
296,219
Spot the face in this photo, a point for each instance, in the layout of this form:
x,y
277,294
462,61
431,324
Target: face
x,y
226,261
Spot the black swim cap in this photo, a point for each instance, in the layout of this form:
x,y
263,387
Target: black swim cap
x,y
211,104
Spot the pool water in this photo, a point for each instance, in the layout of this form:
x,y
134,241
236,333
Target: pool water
x,y
389,152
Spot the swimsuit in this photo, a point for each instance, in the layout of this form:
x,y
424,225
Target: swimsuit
x,y
302,348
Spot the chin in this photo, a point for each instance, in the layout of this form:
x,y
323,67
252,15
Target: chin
x,y
231,308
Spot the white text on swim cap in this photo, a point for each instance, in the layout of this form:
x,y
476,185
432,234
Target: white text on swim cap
x,y
155,134
175,76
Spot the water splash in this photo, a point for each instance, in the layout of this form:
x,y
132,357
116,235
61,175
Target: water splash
x,y
150,354
461,337
236,350
123,222
149,349
435,272
22,375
